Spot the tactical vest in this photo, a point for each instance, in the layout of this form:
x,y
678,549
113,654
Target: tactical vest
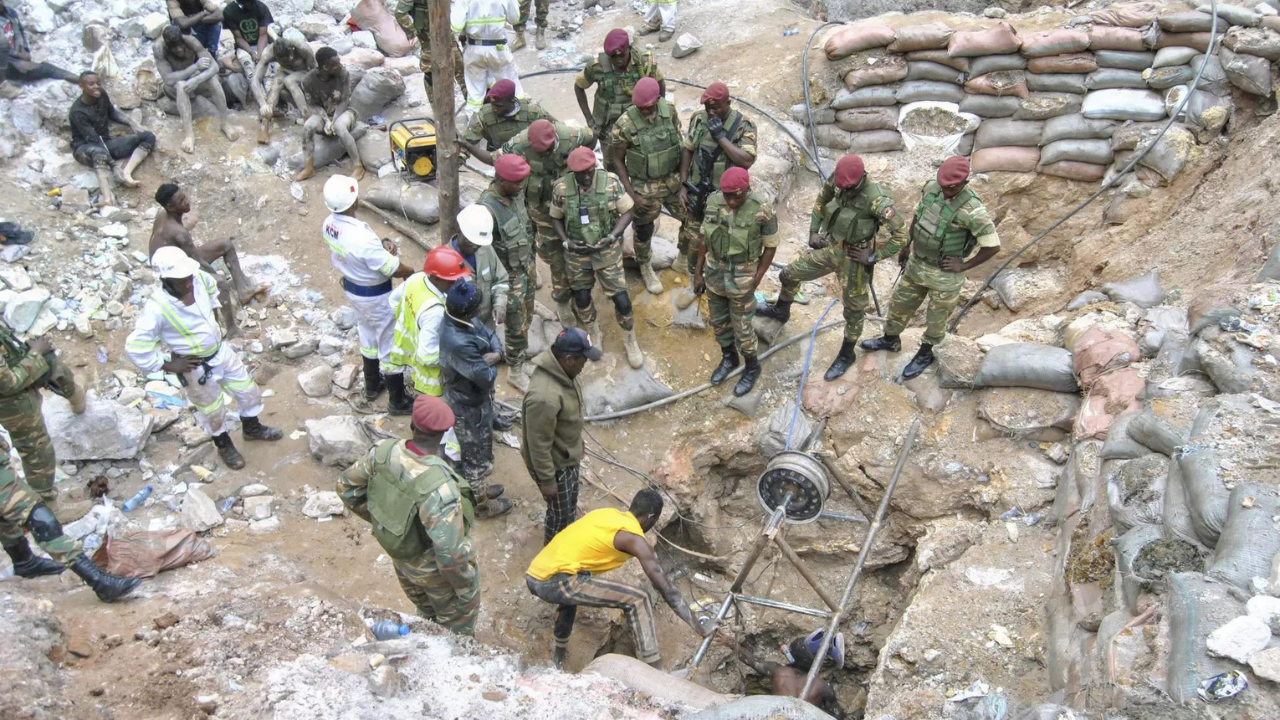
x,y
935,233
853,222
613,92
656,152
601,219
498,130
15,351
708,145
736,236
512,239
544,169
417,299
395,497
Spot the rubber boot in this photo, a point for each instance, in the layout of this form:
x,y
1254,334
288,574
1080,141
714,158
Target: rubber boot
x,y
106,586
888,342
517,376
27,565
373,382
750,373
780,311
594,332
922,360
564,313
728,363
841,364
519,43
231,457
651,281
398,402
253,429
496,508
540,40
635,358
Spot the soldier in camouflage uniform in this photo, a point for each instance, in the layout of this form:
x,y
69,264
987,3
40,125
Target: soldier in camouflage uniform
x,y
646,157
414,18
591,212
546,146
949,223
502,117
513,241
542,8
849,212
741,231
27,367
422,514
615,73
718,138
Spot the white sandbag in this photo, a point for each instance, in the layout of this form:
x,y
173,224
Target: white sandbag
x,y
1262,42
988,106
1195,607
931,36
1131,15
965,147
863,119
1077,127
1064,82
1250,73
1044,106
830,136
922,90
1186,22
1027,365
1124,104
866,97
1008,133
936,113
1054,42
1167,77
1233,14
924,70
1208,111
999,40
995,63
1097,152
1177,512
1107,78
379,88
1005,159
1124,60
1128,549
1171,56
1250,537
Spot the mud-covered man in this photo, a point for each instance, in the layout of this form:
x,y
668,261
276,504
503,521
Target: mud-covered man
x,y
91,116
186,69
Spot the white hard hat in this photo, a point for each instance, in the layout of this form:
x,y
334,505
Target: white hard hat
x,y
340,192
171,263
476,224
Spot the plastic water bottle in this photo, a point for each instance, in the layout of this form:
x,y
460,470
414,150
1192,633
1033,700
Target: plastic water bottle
x,y
388,629
138,498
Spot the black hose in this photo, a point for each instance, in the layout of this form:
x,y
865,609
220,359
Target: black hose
x,y
808,106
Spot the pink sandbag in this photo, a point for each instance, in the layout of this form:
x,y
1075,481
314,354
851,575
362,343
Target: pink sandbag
x,y
1073,64
1197,40
1111,396
372,15
856,39
1106,37
1134,15
1004,83
1100,351
149,553
932,36
1054,42
1005,159
999,40
1074,170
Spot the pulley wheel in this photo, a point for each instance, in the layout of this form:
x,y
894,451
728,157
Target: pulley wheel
x,y
800,475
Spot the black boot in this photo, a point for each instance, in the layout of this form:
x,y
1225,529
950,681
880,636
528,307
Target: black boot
x,y
373,384
750,374
231,457
727,365
503,422
888,342
496,508
922,360
27,565
108,587
843,360
252,429
780,311
398,402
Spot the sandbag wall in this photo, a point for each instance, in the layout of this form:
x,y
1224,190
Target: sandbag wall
x,y
1071,102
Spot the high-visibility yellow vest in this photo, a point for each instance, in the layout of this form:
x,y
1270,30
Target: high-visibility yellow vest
x,y
418,298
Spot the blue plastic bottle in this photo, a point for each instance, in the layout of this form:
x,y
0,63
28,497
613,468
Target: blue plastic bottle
x,y
136,501
388,630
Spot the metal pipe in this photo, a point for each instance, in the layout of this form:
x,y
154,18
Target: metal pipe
x,y
862,559
803,569
824,515
766,602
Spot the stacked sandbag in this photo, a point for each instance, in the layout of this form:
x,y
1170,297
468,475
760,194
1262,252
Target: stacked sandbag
x,y
865,112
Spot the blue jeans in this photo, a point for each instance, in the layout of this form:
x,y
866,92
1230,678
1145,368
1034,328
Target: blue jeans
x,y
208,35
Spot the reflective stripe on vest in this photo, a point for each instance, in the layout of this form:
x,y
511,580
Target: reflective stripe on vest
x,y
936,234
613,93
597,204
736,237
417,299
656,153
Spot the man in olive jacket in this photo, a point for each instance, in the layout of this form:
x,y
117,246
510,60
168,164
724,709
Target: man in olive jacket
x,y
552,442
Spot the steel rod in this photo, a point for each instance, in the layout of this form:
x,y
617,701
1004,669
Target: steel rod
x,y
766,602
824,515
803,569
838,616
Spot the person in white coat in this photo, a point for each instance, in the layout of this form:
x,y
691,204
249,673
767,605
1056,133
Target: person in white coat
x,y
180,314
482,26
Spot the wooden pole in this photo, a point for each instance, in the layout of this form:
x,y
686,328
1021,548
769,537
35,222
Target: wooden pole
x,y
442,109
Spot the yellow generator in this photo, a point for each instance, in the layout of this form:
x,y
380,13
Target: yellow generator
x,y
413,147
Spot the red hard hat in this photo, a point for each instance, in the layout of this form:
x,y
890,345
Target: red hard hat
x,y
446,264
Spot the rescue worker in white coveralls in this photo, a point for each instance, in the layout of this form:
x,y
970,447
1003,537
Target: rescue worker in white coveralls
x,y
367,265
180,314
482,27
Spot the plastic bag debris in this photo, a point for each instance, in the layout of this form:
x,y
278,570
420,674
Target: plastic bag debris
x,y
1223,686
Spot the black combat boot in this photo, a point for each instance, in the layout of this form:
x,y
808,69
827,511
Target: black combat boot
x,y
841,364
750,374
108,587
28,565
922,360
780,311
495,508
398,402
726,366
252,429
373,384
231,457
888,342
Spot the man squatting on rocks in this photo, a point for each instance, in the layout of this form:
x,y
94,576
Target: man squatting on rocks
x,y
180,314
186,68
91,116
328,90
294,60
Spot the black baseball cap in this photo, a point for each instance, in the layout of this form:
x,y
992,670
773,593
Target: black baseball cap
x,y
575,340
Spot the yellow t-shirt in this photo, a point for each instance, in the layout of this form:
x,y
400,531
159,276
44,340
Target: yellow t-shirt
x,y
586,545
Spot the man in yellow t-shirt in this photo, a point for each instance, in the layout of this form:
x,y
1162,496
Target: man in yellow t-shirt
x,y
565,572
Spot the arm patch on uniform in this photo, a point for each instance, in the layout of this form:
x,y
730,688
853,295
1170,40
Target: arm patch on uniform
x,y
887,213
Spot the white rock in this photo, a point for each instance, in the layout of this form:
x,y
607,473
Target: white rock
x,y
344,317
254,490
337,440
1265,608
685,46
364,39
299,349
259,507
130,395
345,376
1273,583
324,504
995,13
108,212
21,312
199,512
265,527
115,230
106,430
316,382
38,16
280,337
15,277
1239,639
329,345
1267,664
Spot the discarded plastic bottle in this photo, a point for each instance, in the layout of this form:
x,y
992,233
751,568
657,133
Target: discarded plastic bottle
x,y
790,31
136,501
388,629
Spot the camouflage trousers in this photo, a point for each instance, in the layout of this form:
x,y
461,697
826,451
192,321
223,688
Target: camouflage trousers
x,y
921,281
424,57
473,424
690,241
541,9
551,250
519,311
20,415
436,598
605,265
731,300
17,500
664,193
853,283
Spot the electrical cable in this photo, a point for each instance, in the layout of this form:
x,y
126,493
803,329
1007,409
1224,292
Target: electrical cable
x,y
804,375
808,104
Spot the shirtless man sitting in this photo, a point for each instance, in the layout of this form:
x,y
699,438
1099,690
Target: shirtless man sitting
x,y
294,57
187,68
788,680
169,230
